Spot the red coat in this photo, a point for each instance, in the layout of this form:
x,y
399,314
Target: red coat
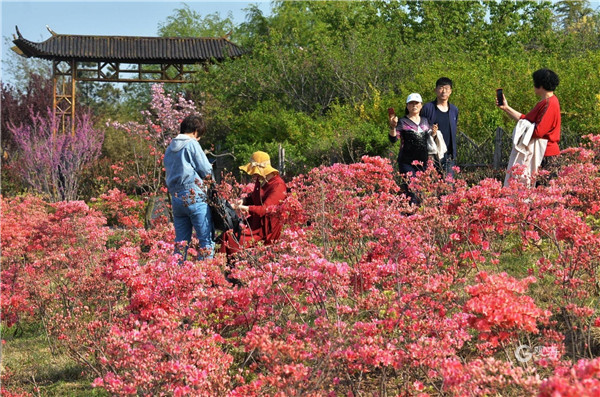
x,y
263,224
546,116
262,221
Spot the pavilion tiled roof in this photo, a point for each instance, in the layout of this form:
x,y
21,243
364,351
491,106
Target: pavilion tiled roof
x,y
129,49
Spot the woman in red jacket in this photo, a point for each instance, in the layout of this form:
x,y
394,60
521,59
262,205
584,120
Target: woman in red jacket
x,y
545,115
263,221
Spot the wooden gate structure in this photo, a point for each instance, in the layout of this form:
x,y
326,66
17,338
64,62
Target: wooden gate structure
x,y
120,59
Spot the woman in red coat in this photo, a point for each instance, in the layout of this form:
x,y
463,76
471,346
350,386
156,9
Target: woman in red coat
x,y
545,115
263,222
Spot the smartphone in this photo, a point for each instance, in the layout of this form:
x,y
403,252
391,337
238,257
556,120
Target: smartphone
x,y
500,96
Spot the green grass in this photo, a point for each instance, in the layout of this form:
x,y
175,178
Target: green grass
x,y
32,365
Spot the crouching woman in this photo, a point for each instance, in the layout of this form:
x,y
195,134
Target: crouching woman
x,y
263,223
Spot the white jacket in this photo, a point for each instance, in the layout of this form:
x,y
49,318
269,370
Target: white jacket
x,y
527,151
436,145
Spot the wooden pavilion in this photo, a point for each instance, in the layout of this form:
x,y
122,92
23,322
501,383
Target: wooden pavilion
x,y
121,59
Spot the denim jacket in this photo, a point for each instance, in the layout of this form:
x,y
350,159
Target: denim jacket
x,y
185,164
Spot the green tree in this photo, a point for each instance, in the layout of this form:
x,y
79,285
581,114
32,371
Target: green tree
x,y
579,26
18,69
185,22
319,75
570,13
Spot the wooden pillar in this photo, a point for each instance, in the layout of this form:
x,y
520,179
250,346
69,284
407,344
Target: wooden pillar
x,y
281,156
498,148
63,80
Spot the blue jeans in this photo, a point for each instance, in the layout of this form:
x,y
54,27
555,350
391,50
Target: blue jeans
x,y
192,211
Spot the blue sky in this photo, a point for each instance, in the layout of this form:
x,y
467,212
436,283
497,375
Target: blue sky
x,y
125,18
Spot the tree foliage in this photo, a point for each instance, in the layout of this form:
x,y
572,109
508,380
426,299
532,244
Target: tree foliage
x,y
318,75
186,22
18,102
309,58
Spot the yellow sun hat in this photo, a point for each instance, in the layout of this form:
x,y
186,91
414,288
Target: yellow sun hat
x,y
260,164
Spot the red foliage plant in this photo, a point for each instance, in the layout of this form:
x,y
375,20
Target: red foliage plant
x,y
362,294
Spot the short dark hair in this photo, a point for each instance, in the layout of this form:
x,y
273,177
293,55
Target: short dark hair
x,y
545,78
193,123
443,81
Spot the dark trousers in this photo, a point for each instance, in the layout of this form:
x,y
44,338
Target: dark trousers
x,y
447,165
550,164
408,171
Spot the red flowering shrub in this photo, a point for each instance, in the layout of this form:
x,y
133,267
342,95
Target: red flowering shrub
x,y
501,308
140,358
362,293
582,380
46,253
120,210
22,218
55,269
9,387
332,198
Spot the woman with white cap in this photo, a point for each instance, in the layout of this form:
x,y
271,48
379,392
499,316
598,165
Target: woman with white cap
x,y
415,132
263,223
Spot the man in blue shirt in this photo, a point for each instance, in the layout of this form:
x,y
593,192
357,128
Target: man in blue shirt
x,y
186,166
445,115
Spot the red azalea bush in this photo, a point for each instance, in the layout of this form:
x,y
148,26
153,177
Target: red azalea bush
x,y
499,306
22,218
159,336
119,209
362,293
582,380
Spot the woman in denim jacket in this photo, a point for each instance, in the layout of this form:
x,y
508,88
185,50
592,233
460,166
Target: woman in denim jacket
x,y
186,167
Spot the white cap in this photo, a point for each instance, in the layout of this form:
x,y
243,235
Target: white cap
x,y
414,97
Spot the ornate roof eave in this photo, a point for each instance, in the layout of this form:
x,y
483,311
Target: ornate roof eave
x,y
129,49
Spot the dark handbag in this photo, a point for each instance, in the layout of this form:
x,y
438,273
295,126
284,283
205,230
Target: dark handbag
x,y
223,215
